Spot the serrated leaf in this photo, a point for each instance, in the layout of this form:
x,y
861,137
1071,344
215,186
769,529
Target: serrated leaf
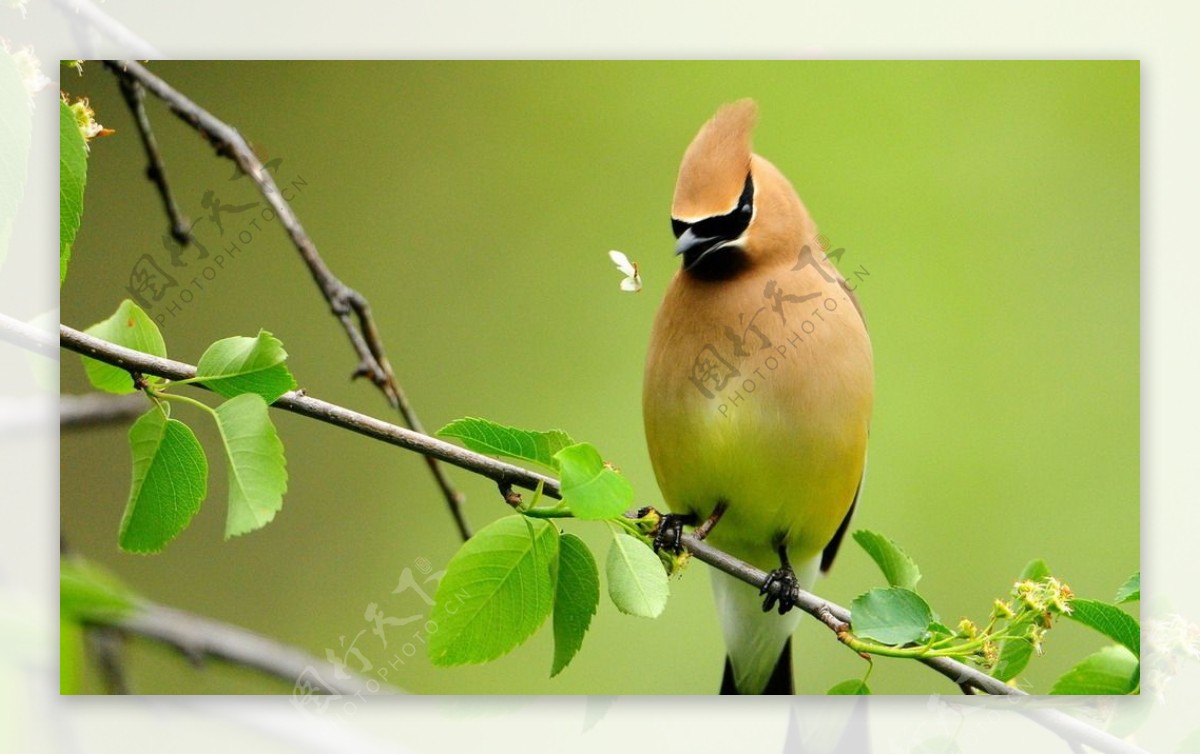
x,y
1131,590
257,467
1014,655
72,178
891,615
1110,671
897,567
170,480
591,489
487,437
15,127
1035,571
940,630
88,591
576,597
850,687
233,366
497,590
132,328
637,582
1109,621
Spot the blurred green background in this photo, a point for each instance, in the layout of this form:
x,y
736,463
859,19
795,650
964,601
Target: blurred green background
x,y
994,205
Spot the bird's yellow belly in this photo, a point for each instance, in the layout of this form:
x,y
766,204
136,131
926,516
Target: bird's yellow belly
x,y
782,441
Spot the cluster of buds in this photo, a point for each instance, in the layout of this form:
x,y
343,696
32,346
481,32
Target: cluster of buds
x,y
1047,597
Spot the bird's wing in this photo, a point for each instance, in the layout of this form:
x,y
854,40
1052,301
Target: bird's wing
x,y
831,550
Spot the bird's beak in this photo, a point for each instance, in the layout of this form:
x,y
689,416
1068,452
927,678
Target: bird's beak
x,y
695,248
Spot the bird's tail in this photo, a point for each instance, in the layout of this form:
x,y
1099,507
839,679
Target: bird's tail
x,y
780,683
758,643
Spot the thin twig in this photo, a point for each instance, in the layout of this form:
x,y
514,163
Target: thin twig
x,y
504,474
156,171
299,403
197,638
105,646
91,409
349,306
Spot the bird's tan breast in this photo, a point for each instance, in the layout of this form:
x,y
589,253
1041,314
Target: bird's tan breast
x,y
758,392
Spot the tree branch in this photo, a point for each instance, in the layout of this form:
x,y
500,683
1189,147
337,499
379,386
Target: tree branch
x,y
93,409
833,616
135,96
299,403
350,307
197,638
836,618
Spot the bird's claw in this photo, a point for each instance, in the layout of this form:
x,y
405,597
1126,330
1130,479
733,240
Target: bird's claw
x,y
669,534
781,586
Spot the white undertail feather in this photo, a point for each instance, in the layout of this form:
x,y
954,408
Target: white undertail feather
x,y
754,638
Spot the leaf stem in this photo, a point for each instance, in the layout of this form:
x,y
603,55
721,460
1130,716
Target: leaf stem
x,y
187,400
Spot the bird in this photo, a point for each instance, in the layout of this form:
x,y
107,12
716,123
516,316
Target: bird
x,y
757,393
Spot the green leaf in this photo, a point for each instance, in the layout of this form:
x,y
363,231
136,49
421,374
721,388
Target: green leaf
x,y
897,567
939,630
1014,655
497,590
170,480
1109,621
1035,571
576,598
16,118
591,489
850,687
488,437
1131,590
132,328
233,366
891,615
637,582
257,467
88,591
72,177
1110,671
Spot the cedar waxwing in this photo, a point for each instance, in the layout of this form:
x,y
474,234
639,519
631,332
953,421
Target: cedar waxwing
x,y
758,392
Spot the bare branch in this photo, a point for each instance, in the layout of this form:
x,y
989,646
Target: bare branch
x,y
197,638
156,171
349,306
93,409
105,646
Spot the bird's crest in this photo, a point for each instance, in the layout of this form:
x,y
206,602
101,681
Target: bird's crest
x,y
714,168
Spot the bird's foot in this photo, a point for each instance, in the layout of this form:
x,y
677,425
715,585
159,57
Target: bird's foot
x,y
780,587
668,535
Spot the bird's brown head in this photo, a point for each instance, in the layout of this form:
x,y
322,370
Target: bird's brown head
x,y
732,209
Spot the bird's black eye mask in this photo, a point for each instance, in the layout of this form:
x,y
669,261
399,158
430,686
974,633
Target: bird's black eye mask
x,y
724,227
704,244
